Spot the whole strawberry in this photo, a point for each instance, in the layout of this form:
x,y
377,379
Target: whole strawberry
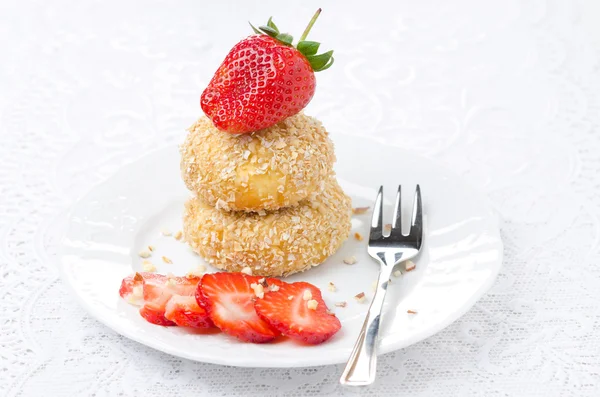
x,y
263,80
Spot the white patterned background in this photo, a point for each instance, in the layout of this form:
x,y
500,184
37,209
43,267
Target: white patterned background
x,y
505,93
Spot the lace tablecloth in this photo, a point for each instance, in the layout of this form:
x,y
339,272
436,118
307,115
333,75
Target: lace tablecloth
x,y
505,93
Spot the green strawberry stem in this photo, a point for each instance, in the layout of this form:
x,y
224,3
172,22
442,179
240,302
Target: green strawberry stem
x,y
307,48
310,25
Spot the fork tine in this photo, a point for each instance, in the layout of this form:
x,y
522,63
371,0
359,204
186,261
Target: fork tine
x,y
397,221
416,227
377,219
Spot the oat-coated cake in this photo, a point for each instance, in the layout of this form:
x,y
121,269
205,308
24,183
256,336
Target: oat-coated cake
x,y
264,170
276,243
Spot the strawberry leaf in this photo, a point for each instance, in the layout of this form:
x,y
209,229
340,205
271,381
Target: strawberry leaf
x,y
321,61
285,38
255,30
269,30
271,24
308,47
327,66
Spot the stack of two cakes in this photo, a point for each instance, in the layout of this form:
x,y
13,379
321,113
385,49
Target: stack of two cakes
x,y
265,202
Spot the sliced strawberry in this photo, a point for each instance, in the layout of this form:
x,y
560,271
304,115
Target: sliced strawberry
x,y
132,287
229,299
288,311
155,314
159,290
185,312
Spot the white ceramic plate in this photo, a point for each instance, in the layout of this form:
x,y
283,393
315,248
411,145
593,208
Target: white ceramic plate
x,y
461,256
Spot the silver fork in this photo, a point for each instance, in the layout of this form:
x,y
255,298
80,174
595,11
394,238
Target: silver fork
x,y
388,251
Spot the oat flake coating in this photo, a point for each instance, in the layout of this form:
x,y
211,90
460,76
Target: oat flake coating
x,y
276,243
265,170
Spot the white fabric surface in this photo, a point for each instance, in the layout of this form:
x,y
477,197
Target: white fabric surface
x,y
505,93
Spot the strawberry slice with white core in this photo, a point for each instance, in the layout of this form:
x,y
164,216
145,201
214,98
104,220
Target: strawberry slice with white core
x,y
159,290
132,287
185,312
229,299
297,310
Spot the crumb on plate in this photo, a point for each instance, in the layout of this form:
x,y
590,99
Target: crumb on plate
x,y
198,271
360,210
350,260
148,266
360,298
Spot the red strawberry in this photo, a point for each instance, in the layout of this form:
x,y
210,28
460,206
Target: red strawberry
x,y
293,317
185,312
229,299
132,287
263,80
155,314
159,290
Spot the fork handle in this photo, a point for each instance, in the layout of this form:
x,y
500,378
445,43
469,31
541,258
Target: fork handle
x,y
362,364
